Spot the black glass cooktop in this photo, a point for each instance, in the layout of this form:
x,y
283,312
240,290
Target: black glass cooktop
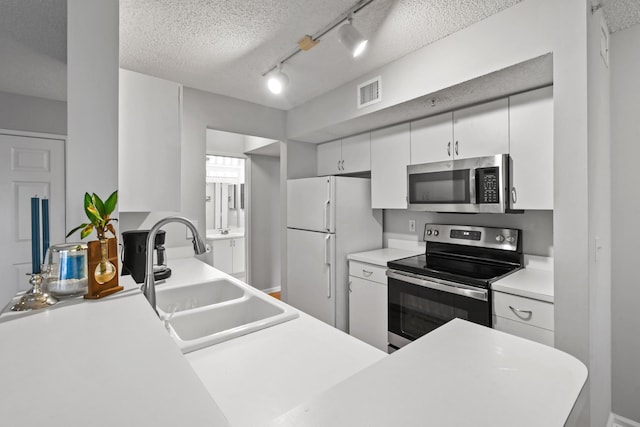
x,y
461,269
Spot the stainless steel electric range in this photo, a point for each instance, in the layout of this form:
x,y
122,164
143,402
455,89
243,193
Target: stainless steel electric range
x,y
451,279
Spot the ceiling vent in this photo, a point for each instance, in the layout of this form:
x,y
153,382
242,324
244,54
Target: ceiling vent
x,y
370,92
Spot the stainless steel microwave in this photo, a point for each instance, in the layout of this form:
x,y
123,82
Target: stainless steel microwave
x,y
475,185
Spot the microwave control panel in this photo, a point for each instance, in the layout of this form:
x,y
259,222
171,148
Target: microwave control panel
x,y
488,185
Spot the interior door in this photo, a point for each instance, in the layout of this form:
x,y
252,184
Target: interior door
x,y
311,273
29,167
310,204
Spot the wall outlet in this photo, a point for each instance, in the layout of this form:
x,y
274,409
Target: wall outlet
x,y
412,225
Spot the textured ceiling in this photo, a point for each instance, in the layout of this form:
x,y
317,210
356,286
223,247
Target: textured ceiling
x,y
621,14
223,46
33,48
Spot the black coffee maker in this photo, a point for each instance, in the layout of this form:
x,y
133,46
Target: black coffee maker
x,y
134,255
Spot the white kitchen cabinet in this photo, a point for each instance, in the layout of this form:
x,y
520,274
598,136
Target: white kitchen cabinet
x,y
432,139
228,255
149,143
329,158
525,317
368,303
531,149
481,130
390,155
349,155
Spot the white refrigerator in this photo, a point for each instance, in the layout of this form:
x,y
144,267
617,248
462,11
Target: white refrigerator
x,y
327,218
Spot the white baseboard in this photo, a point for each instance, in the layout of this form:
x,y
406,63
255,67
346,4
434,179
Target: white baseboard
x,y
618,421
271,290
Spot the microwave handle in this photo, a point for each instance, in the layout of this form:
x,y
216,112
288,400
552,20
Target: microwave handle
x,y
473,190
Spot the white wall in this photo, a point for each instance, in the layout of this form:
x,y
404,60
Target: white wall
x,y
229,143
265,222
625,200
92,103
599,147
31,114
202,110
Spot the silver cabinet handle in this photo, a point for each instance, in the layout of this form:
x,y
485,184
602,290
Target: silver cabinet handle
x,y
342,163
518,312
366,272
350,282
456,149
449,148
338,164
514,195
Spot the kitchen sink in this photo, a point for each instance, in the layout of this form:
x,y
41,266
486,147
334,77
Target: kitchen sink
x,y
203,314
186,297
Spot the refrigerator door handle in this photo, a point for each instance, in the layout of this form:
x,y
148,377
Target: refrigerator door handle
x,y
326,218
327,261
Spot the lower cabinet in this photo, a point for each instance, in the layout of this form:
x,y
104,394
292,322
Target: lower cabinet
x,y
228,255
368,303
525,317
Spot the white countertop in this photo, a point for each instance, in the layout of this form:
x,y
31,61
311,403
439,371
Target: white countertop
x,y
461,374
260,376
534,281
98,363
382,256
301,372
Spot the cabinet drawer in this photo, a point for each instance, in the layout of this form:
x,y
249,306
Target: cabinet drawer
x,y
523,310
366,271
533,333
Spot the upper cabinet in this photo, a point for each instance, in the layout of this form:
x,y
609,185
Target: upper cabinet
x,y
481,130
329,158
531,127
432,139
390,155
149,143
349,155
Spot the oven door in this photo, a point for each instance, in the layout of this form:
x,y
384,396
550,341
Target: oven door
x,y
418,305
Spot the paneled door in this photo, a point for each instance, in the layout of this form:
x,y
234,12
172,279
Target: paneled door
x,y
29,166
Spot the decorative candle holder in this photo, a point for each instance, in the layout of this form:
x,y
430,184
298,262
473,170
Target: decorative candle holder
x,y
34,298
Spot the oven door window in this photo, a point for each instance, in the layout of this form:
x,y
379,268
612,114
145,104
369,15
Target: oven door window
x,y
443,187
415,310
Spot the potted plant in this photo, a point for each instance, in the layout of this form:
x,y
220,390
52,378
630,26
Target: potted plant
x,y
99,214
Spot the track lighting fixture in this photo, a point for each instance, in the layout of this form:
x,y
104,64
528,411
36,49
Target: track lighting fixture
x,y
277,80
348,35
351,38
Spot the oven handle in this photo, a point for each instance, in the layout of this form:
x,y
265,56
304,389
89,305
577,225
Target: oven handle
x,y
479,294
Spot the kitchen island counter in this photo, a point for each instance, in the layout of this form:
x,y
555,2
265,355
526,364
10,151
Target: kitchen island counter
x,y
60,364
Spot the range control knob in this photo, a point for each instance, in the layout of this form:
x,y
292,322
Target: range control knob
x,y
436,232
429,232
499,238
511,239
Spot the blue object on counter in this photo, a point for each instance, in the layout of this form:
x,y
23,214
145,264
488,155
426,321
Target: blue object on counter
x,y
35,235
45,227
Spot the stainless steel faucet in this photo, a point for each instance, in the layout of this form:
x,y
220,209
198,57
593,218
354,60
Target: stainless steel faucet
x,y
149,286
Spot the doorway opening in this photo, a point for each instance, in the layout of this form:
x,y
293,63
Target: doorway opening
x,y
225,213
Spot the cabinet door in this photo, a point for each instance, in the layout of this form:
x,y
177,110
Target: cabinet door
x,y
432,139
390,155
531,149
356,153
368,311
223,255
149,143
238,255
330,158
481,130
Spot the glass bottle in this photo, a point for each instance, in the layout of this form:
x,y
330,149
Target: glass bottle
x,y
105,270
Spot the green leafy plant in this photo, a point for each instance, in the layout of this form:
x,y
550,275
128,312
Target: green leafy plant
x,y
99,214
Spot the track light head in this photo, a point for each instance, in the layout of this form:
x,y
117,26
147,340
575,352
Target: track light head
x,y
351,38
277,80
